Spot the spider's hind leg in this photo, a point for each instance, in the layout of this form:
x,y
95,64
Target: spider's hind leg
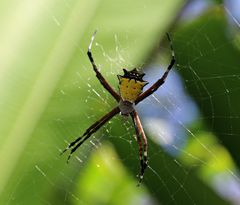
x,y
74,145
142,150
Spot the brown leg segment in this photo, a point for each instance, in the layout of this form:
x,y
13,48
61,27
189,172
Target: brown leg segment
x,y
143,156
92,129
99,75
156,85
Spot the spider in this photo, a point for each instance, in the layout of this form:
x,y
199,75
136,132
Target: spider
x,y
131,93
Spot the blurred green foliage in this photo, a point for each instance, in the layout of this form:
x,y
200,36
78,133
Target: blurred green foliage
x,y
212,68
49,95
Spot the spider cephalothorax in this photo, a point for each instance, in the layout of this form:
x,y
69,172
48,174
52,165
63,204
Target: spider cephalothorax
x,y
130,94
133,74
131,84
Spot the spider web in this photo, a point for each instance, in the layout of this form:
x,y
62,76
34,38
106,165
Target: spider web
x,y
175,105
167,117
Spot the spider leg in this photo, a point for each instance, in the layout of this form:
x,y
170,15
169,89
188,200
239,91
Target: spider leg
x,y
92,129
102,80
161,81
142,150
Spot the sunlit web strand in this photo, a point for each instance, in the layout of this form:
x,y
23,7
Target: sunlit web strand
x,y
233,18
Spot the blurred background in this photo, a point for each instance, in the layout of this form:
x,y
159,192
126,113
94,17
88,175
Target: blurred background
x,y
49,95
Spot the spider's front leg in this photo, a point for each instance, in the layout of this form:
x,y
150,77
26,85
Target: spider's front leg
x,y
161,81
99,75
142,150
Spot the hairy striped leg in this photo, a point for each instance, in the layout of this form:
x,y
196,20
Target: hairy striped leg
x,y
161,81
74,145
142,150
99,75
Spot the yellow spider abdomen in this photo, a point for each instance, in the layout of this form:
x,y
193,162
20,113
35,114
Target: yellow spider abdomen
x,y
130,89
